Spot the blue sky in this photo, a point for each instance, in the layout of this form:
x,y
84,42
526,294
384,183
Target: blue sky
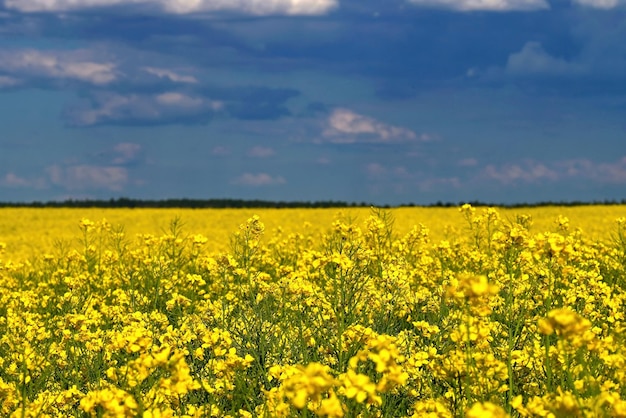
x,y
387,102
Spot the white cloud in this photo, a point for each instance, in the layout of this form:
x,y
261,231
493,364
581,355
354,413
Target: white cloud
x,y
125,152
141,108
600,4
426,137
179,99
401,172
375,170
603,172
6,81
468,162
530,171
257,180
60,5
534,60
12,180
260,152
255,7
84,177
346,126
401,180
108,107
72,65
485,5
438,183
170,75
220,151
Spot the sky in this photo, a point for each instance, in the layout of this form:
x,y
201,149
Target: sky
x,y
378,101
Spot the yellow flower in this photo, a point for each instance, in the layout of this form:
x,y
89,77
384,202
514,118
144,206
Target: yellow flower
x,y
564,322
307,384
477,286
566,404
430,408
486,410
472,287
86,224
330,407
360,387
199,239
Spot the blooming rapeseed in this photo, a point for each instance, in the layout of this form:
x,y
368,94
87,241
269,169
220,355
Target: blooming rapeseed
x,y
402,313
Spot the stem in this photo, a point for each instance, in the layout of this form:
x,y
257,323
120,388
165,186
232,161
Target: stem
x,y
468,357
548,365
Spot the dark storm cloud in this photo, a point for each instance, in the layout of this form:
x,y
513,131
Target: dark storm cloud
x,y
587,59
177,107
403,47
254,103
354,39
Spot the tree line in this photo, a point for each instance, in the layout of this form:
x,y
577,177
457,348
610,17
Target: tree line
x,y
124,202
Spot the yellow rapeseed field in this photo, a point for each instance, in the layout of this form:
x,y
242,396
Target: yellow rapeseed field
x,y
469,312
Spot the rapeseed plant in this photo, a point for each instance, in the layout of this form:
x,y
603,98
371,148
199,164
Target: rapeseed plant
x,y
509,315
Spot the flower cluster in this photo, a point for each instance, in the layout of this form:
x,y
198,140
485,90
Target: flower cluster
x,y
495,313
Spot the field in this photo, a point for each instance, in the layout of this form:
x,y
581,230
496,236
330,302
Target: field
x,y
470,312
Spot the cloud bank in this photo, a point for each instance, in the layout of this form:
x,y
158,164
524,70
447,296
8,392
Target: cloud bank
x,y
600,4
85,177
534,172
485,5
254,7
74,65
142,109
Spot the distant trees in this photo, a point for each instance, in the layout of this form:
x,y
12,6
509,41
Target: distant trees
x,y
124,202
